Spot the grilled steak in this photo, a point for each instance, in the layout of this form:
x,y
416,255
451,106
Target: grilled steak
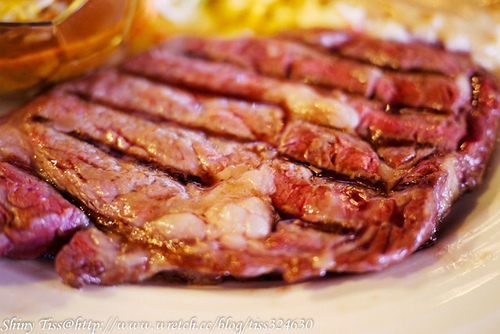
x,y
308,152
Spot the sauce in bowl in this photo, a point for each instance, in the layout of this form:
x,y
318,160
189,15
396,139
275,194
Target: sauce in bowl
x,y
85,34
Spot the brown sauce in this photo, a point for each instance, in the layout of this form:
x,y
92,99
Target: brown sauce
x,y
34,56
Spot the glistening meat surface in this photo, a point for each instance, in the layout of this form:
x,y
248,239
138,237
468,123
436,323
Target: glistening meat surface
x,y
293,155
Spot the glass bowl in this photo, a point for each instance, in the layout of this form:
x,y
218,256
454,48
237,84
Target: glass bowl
x,y
86,34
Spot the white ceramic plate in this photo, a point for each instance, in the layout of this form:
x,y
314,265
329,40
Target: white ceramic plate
x,y
451,287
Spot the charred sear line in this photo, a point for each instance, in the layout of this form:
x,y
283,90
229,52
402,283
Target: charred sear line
x,y
127,111
252,66
158,119
174,174
380,141
405,110
329,227
387,54
330,176
170,172
67,195
206,57
194,90
18,163
289,71
39,119
388,68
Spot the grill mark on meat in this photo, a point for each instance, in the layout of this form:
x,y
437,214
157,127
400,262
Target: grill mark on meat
x,y
218,115
284,60
169,147
274,58
300,101
319,202
172,172
404,157
441,88
424,91
384,53
332,150
330,176
327,227
445,132
117,190
299,205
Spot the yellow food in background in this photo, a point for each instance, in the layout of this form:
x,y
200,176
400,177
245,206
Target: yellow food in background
x,y
30,10
268,16
230,17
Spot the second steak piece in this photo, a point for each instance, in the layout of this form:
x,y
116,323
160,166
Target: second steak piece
x,y
35,219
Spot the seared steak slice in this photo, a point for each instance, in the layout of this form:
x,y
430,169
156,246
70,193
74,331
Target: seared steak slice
x,y
414,56
166,145
34,218
217,115
298,154
288,60
285,60
446,132
300,101
110,189
336,151
424,91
